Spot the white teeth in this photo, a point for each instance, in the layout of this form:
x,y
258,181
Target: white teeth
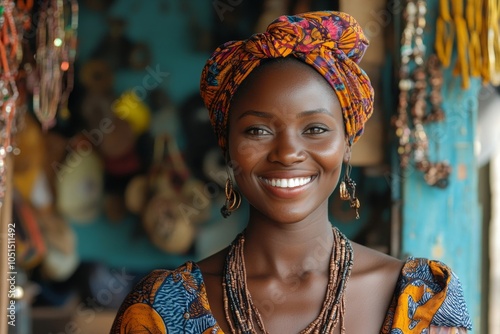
x,y
288,183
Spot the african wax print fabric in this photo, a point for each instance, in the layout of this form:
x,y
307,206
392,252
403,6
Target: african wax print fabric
x,y
427,294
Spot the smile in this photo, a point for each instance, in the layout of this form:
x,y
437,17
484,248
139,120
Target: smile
x,y
288,183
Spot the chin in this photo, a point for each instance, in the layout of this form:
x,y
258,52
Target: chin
x,y
286,215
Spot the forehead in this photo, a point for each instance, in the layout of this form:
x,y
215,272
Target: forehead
x,y
285,84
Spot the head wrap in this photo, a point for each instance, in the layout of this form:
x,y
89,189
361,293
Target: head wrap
x,y
331,42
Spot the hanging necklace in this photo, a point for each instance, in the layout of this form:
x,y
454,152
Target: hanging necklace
x,y
10,59
414,72
55,57
244,318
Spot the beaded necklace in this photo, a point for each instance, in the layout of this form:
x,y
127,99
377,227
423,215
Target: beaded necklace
x,y
55,57
476,34
242,315
13,23
414,72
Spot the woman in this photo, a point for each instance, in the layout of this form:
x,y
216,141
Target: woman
x,y
287,105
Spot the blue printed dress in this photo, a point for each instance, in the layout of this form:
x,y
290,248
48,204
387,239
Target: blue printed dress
x,y
427,294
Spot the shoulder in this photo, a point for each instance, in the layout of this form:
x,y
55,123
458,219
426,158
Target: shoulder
x,y
370,288
180,280
214,264
163,299
375,270
370,261
428,293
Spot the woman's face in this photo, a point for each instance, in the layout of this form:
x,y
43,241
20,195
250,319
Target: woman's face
x,y
287,142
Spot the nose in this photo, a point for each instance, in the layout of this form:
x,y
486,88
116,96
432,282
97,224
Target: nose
x,y
287,149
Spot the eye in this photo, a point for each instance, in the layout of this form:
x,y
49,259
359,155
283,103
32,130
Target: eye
x,y
255,131
314,130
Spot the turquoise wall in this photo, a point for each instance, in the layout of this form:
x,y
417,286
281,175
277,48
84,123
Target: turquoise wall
x,y
165,30
445,224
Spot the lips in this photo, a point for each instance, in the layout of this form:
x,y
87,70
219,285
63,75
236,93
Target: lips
x,y
285,185
287,182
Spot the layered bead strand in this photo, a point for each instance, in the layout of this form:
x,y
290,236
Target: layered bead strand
x,y
243,316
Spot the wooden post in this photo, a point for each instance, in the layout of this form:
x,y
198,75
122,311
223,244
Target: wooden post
x,y
494,326
445,224
5,219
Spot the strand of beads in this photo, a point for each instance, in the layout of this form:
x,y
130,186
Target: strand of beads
x,y
55,55
413,75
241,312
401,122
10,55
476,34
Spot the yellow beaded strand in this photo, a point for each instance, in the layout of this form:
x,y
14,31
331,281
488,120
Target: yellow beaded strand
x,y
493,45
445,34
477,36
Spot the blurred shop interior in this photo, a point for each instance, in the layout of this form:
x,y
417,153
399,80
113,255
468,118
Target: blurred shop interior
x,y
109,167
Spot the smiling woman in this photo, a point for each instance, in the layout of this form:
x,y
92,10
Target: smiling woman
x,y
292,133
287,105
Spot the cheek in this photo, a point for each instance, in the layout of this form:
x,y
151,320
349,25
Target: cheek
x,y
330,157
243,149
243,154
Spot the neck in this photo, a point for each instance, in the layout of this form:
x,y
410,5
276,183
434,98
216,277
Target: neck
x,y
280,250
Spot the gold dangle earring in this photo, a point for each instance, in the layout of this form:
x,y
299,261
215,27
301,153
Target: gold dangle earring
x,y
233,199
347,190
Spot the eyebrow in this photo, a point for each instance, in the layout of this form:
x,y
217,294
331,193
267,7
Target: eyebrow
x,y
263,114
314,112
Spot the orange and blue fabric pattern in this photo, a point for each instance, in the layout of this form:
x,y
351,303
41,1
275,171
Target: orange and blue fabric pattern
x,y
428,300
168,302
428,294
331,42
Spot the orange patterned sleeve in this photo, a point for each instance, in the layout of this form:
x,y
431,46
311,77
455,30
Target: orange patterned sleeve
x,y
428,297
167,302
136,314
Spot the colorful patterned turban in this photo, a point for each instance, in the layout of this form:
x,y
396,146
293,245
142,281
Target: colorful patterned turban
x,y
331,42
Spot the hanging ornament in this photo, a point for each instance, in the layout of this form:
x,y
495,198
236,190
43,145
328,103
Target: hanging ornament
x,y
10,58
475,31
55,56
412,115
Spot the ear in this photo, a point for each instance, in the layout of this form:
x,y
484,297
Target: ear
x,y
347,152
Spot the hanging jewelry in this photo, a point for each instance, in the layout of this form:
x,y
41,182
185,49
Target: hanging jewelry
x,y
242,314
347,190
401,122
55,55
233,199
492,34
413,140
445,33
474,19
436,80
11,31
344,194
462,40
476,34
